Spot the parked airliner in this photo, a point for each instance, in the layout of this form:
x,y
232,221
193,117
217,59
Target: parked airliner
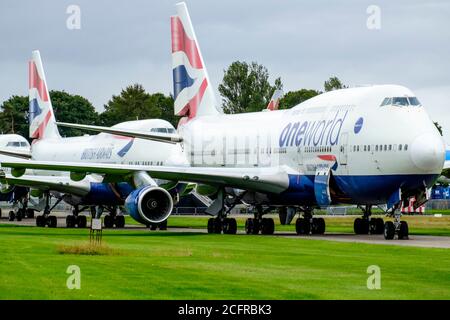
x,y
156,145
367,146
17,196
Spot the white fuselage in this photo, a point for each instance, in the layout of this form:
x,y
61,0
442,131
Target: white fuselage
x,y
111,149
350,126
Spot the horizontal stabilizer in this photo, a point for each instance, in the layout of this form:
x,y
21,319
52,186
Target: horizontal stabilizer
x,y
160,137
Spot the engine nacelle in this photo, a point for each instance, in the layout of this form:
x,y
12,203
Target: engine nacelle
x,y
149,204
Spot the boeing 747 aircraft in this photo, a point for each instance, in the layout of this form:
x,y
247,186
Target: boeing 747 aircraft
x,y
367,146
156,145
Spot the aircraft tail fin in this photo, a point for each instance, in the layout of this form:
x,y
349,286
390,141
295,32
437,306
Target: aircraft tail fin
x,y
193,93
275,101
41,116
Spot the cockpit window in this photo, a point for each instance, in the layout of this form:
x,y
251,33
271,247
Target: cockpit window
x,y
414,101
401,102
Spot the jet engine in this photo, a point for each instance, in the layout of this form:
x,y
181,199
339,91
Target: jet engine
x,y
149,204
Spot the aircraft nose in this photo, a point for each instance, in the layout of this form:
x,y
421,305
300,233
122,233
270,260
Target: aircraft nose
x,y
428,152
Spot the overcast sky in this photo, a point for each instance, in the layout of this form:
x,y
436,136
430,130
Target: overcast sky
x,y
124,42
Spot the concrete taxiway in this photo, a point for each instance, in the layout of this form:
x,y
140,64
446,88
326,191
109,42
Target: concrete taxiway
x,y
414,240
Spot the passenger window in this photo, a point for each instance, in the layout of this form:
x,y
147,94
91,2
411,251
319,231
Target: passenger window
x,y
400,146
376,148
406,147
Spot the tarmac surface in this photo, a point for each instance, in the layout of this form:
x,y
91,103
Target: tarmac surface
x,y
414,240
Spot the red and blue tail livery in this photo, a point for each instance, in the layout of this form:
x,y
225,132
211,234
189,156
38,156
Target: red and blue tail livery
x,y
41,117
192,90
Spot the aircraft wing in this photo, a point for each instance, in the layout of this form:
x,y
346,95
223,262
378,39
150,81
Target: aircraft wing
x,y
15,153
266,179
160,137
61,184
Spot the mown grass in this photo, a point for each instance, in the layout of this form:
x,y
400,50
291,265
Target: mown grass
x,y
166,265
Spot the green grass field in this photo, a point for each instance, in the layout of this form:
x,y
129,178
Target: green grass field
x,y
164,265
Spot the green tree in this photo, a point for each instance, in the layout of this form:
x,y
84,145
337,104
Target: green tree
x,y
133,103
165,104
293,98
246,88
333,84
72,109
13,116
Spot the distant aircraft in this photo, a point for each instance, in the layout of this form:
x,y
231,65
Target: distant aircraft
x,y
17,196
274,102
352,146
156,145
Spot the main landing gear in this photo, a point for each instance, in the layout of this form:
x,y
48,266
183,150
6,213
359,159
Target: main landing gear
x,y
113,219
366,224
161,225
75,219
308,225
46,219
396,227
21,210
258,224
20,214
222,224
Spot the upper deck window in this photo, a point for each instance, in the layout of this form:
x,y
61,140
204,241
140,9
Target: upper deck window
x,y
401,102
163,130
16,144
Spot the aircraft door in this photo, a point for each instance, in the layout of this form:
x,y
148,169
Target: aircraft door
x,y
322,186
343,149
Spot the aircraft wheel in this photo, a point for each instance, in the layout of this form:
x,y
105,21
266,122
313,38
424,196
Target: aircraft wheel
x,y
249,226
403,232
318,226
217,226
0,213
108,221
12,216
162,225
379,226
119,221
211,225
153,226
361,226
302,226
30,213
82,221
267,226
230,226
20,214
389,230
70,221
52,221
40,221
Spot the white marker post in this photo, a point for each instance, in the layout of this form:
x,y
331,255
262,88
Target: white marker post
x,y
95,234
